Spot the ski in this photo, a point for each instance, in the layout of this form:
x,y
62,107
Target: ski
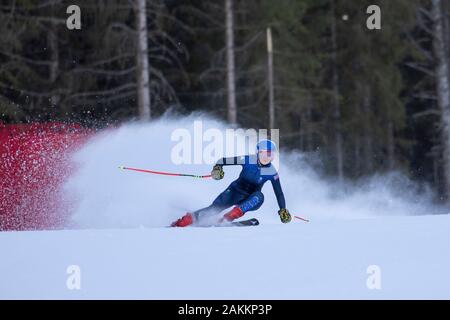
x,y
244,223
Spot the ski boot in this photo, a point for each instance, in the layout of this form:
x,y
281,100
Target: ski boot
x,y
231,215
184,221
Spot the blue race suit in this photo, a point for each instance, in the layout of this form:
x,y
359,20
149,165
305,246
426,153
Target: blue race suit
x,y
245,192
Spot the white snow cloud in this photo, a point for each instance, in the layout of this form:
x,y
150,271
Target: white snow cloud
x,y
109,197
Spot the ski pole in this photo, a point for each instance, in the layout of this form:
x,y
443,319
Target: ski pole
x,y
300,218
165,173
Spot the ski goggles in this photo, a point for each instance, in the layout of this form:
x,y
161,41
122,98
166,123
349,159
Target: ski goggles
x,y
266,154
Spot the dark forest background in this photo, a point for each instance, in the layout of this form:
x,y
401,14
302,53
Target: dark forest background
x,y
364,101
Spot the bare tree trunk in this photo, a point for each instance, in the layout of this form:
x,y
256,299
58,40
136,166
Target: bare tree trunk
x,y
231,79
309,138
436,167
357,157
270,79
440,45
390,145
301,125
336,105
52,39
143,70
446,17
54,58
368,144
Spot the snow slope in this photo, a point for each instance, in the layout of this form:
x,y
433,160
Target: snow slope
x,y
321,259
119,242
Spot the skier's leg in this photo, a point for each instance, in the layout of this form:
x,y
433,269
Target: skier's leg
x,y
224,200
251,203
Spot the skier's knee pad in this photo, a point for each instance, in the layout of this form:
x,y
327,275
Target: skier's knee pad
x,y
253,202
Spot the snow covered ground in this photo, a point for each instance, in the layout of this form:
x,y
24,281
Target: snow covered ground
x,y
118,246
325,259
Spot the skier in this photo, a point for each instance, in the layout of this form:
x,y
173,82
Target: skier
x,y
245,192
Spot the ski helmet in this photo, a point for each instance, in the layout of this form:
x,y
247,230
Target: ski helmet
x,y
267,145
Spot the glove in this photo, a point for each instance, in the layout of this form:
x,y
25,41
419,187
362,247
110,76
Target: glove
x,y
217,172
285,216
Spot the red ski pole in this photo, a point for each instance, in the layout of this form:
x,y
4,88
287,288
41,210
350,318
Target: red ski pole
x,y
165,173
300,218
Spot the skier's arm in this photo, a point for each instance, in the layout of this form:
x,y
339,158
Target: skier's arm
x,y
231,161
217,171
284,214
278,191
